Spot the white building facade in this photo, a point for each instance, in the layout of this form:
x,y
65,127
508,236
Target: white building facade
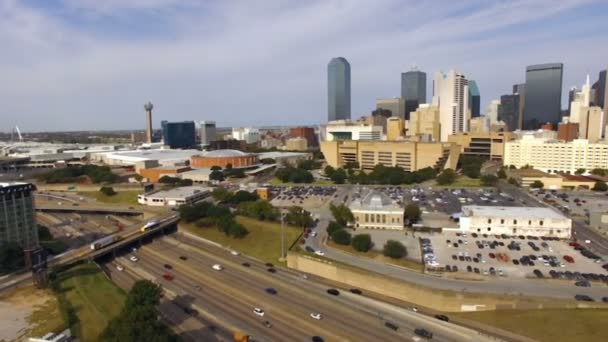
x,y
348,130
555,155
247,134
451,95
515,221
174,197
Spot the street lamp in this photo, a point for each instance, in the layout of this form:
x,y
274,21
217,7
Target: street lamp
x,y
283,213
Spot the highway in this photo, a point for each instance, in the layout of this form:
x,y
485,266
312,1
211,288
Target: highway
x,y
230,295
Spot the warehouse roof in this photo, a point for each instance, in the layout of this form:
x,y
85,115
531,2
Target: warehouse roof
x,y
527,212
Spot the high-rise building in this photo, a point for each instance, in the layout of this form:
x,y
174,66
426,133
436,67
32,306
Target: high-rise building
x,y
601,95
520,89
413,90
425,121
148,108
179,134
451,95
580,99
543,95
395,105
395,128
480,124
247,134
206,132
307,133
509,111
590,124
17,215
492,111
474,99
567,131
338,89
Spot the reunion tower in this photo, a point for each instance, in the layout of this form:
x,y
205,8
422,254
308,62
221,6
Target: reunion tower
x,y
148,107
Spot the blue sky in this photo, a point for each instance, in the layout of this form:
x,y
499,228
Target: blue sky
x,y
92,64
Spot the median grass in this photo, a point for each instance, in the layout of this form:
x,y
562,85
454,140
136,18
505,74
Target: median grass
x,y
562,325
87,300
263,241
463,182
403,262
121,197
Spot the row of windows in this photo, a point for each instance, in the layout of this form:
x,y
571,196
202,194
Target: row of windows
x,y
502,221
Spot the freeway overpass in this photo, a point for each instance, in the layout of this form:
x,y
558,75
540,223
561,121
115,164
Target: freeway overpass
x,y
86,209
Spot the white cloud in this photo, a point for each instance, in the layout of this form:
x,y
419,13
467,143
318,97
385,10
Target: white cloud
x,y
91,64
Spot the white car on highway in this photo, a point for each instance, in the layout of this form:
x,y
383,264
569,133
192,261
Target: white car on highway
x,y
217,267
120,268
134,258
235,253
319,252
258,312
315,315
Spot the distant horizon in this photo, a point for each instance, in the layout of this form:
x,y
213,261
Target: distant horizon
x,y
91,65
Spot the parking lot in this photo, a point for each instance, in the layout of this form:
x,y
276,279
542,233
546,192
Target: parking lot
x,y
304,196
512,256
578,203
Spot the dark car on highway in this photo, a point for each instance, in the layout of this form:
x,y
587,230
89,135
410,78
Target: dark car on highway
x,y
391,326
583,298
442,318
356,291
271,291
423,333
333,292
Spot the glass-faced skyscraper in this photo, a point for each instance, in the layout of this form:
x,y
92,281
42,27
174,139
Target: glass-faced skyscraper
x,y
543,95
474,99
338,89
413,90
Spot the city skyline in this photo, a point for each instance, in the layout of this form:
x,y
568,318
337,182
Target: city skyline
x,y
90,65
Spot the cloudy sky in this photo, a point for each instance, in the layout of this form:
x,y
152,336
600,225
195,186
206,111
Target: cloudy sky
x,y
91,64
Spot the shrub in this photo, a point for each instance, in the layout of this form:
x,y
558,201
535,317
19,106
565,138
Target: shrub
x,y
107,190
448,176
537,185
341,237
362,242
489,180
332,227
600,186
394,249
412,212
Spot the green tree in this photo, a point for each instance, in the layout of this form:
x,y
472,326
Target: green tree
x,y
107,190
261,210
332,227
412,212
216,175
362,242
502,174
537,184
599,172
328,171
267,161
342,214
216,168
341,237
221,194
338,176
513,181
579,171
512,167
600,186
138,177
185,182
243,196
394,249
448,176
489,180
471,166
297,216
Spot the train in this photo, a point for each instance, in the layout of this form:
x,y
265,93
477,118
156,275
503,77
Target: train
x,y
149,225
103,242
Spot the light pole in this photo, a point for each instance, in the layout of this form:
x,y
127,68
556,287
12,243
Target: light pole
x,y
282,234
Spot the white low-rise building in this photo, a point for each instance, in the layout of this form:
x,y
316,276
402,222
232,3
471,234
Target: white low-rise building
x,y
174,197
515,221
376,210
349,130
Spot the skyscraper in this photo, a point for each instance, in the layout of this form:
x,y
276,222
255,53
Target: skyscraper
x,y
543,95
451,95
601,95
508,112
18,215
396,106
520,89
206,132
413,90
179,134
338,89
474,99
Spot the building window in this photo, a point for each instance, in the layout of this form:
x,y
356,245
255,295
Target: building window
x,y
502,221
541,222
529,222
489,229
514,230
489,220
514,221
366,218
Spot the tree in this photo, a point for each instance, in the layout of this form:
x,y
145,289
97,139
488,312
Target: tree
x,y
142,293
512,167
394,249
332,227
328,171
243,196
342,214
341,237
216,175
216,168
185,182
599,172
537,185
261,210
362,242
412,212
338,176
297,216
600,186
107,190
221,194
513,181
11,257
448,176
488,180
237,230
502,174
471,166
138,177
579,171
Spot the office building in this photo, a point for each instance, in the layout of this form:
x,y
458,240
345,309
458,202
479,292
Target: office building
x,y
555,156
543,95
413,90
567,131
395,105
508,112
539,222
492,111
425,121
590,124
490,145
174,197
409,155
474,99
270,142
600,88
451,95
395,128
377,118
348,130
206,132
296,144
520,89
148,108
247,134
480,124
580,99
338,89
376,210
17,215
307,133
179,134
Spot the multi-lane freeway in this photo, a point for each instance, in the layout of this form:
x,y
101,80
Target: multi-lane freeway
x,y
229,297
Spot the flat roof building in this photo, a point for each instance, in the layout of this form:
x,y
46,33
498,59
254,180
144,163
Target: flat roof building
x,y
174,197
376,210
489,145
515,221
349,130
